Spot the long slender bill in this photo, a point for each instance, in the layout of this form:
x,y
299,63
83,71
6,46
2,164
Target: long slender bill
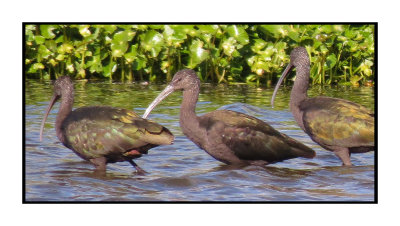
x,y
168,90
284,74
52,101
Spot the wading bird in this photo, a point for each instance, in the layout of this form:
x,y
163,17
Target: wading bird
x,y
102,134
337,125
228,136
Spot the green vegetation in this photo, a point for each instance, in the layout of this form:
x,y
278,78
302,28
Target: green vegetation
x,y
342,54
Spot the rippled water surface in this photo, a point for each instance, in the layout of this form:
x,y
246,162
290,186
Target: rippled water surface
x,y
182,171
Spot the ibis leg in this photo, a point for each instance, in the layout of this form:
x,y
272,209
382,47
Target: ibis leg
x,y
344,155
99,163
138,169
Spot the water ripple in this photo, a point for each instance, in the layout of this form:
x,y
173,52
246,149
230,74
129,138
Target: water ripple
x,y
183,172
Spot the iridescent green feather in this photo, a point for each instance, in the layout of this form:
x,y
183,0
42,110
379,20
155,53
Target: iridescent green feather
x,y
337,122
104,131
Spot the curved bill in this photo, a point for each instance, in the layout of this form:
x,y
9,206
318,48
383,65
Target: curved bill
x,y
52,101
168,90
284,74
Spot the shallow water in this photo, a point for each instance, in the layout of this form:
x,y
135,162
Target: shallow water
x,y
182,171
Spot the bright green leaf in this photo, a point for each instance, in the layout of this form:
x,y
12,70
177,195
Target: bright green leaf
x,y
118,50
196,53
209,29
239,33
38,66
229,46
47,31
39,39
84,30
110,28
44,52
152,42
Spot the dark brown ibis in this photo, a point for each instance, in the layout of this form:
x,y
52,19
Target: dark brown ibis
x,y
228,136
102,134
337,125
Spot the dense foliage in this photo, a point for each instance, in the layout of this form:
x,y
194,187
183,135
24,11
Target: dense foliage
x,y
256,53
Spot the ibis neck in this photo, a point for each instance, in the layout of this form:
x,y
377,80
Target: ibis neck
x,y
65,108
188,119
299,92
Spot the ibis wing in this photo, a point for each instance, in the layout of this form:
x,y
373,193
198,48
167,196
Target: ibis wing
x,y
99,131
252,139
338,122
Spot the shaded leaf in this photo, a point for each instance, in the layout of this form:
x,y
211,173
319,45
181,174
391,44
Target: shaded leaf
x,y
108,69
331,61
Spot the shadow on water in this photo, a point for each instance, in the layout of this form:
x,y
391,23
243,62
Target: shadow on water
x,y
183,172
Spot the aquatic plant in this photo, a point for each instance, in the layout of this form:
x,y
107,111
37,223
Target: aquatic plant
x,y
251,53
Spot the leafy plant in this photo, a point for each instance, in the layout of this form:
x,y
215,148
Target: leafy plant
x,y
341,54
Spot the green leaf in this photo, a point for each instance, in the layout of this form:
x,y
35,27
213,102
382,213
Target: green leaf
x,y
70,67
229,46
323,49
47,31
294,35
267,53
59,39
251,78
366,67
38,66
44,52
237,69
139,63
258,45
118,50
280,46
326,29
277,31
196,53
109,28
140,27
127,27
60,57
51,45
317,44
186,29
209,29
132,55
39,39
331,61
155,26
95,64
65,48
123,36
174,35
239,33
152,42
109,69
84,30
